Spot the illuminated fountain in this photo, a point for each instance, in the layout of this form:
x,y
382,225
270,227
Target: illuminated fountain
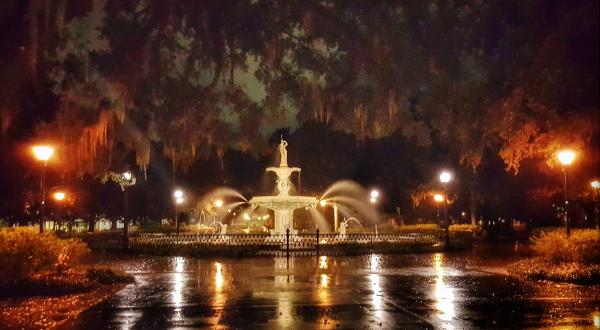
x,y
283,205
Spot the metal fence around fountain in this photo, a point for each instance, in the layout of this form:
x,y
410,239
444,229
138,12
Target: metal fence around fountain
x,y
278,242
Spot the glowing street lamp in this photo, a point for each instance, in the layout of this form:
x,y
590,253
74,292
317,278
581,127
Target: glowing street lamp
x,y
566,158
374,194
246,217
323,203
445,177
59,196
219,203
43,153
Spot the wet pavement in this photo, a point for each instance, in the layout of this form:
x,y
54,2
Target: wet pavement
x,y
467,290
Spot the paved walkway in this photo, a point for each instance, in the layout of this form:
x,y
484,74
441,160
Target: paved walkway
x,y
429,291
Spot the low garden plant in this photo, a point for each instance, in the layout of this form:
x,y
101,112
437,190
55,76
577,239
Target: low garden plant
x,y
574,258
25,252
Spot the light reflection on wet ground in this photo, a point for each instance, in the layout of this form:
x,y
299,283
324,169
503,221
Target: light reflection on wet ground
x,y
427,291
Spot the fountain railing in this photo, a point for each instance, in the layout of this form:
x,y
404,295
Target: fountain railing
x,y
297,241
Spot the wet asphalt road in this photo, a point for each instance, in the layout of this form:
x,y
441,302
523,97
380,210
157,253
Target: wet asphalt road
x,y
427,291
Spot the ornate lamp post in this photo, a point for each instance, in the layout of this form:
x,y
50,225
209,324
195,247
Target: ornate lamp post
x,y
596,188
566,158
178,200
438,199
43,153
59,196
127,181
445,178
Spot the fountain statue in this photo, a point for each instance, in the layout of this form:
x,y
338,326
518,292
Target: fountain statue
x,y
223,230
342,227
283,205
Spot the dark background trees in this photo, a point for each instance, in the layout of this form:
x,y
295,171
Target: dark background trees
x,y
385,93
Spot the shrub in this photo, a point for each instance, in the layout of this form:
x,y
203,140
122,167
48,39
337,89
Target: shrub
x,y
536,232
556,247
24,251
472,228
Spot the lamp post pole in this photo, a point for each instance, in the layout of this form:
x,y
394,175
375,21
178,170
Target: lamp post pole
x,y
568,224
566,157
178,200
445,178
43,196
43,153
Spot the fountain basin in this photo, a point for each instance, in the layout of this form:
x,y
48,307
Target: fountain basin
x,y
283,207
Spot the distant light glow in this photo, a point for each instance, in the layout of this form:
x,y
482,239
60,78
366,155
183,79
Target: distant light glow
x,y
59,196
43,153
373,199
374,193
596,184
178,194
179,200
127,175
438,198
246,217
566,157
323,203
219,203
445,177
